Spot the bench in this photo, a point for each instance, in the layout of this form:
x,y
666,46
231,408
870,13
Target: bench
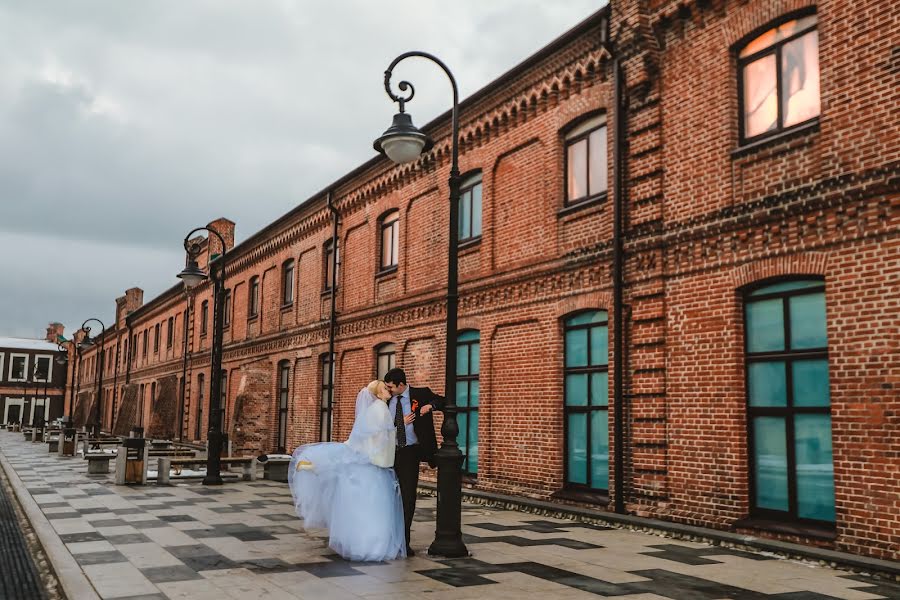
x,y
98,463
28,432
247,464
53,444
275,468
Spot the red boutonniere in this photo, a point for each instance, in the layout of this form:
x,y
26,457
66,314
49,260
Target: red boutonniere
x,y
415,405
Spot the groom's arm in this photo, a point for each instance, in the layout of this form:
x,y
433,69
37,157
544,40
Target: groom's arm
x,y
437,402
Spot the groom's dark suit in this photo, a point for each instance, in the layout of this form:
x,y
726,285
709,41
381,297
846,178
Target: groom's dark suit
x,y
407,459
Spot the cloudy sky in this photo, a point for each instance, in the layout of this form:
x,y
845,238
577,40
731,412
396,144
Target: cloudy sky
x,y
123,125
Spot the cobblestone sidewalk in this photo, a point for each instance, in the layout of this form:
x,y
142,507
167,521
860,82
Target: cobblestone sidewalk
x,y
242,540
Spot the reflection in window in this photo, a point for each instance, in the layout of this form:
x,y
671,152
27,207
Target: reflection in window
x,y
470,209
788,401
468,357
779,71
386,359
586,176
390,240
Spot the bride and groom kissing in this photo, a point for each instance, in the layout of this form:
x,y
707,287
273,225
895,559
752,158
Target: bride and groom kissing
x,y
363,491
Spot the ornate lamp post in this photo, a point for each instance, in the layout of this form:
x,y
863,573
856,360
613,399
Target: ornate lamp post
x,y
192,276
403,142
61,359
85,343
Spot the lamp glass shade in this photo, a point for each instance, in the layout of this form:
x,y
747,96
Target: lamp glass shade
x,y
193,275
403,148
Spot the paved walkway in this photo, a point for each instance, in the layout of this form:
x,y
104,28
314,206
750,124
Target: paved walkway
x,y
242,540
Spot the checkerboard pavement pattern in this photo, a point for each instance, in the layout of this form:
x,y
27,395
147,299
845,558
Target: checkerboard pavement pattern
x,y
242,540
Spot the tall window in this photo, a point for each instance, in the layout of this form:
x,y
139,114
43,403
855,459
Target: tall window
x,y
287,283
201,380
152,393
779,78
332,273
125,353
170,332
145,345
156,339
134,348
18,367
253,298
226,311
204,316
385,359
788,401
327,374
141,407
43,366
284,372
390,240
587,400
468,353
470,209
586,173
223,401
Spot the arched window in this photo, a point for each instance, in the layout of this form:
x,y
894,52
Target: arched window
x,y
586,172
778,78
253,298
468,357
586,404
156,339
385,359
788,402
390,240
287,283
470,209
204,316
284,372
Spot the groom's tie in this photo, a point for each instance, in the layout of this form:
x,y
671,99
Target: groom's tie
x,y
399,424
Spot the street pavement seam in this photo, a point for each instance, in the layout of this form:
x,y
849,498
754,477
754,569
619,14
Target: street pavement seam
x,y
73,580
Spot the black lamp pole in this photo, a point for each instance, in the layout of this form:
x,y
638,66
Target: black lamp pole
x,y
63,359
193,275
403,142
87,342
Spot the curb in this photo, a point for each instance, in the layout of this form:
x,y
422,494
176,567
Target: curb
x,y
885,568
74,582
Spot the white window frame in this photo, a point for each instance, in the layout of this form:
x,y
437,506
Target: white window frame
x,y
49,369
2,356
12,357
20,402
46,408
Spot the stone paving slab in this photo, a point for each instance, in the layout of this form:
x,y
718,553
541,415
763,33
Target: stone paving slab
x,y
242,540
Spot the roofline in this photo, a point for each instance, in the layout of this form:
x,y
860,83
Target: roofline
x,y
567,37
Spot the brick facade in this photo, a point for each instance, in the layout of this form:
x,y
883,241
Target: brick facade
x,y
705,219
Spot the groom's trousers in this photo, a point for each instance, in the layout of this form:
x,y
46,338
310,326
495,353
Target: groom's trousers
x,y
406,466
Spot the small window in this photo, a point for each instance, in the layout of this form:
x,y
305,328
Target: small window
x,y
156,339
226,311
170,332
778,79
287,283
332,270
18,367
586,173
145,345
390,240
386,359
284,371
204,316
43,368
253,299
470,209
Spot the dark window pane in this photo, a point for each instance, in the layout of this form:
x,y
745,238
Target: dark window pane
x,y
810,383
577,176
770,461
600,449
577,389
760,96
815,473
599,389
765,325
808,321
576,448
767,384
476,210
465,215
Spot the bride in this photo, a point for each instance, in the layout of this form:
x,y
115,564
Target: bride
x,y
350,488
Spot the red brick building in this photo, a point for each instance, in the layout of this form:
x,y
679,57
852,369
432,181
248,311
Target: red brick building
x,y
711,270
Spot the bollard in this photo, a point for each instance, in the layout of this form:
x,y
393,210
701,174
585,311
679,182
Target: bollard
x,y
162,470
121,454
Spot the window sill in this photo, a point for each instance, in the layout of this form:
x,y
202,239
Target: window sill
x,y
327,292
386,272
469,244
581,496
252,318
821,532
777,138
287,307
582,204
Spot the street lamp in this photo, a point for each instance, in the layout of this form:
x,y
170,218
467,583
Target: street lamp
x,y
403,142
85,343
192,276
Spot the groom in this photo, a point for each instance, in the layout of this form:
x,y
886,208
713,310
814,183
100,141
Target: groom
x,y
411,408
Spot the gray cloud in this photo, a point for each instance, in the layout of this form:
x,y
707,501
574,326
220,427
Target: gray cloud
x,y
125,124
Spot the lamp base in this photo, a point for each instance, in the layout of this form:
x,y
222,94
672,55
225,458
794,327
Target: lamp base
x,y
448,541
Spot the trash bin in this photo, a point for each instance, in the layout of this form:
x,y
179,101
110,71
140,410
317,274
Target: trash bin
x,y
135,467
136,432
67,442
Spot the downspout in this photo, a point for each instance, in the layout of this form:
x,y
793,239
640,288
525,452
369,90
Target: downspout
x,y
130,352
331,326
620,197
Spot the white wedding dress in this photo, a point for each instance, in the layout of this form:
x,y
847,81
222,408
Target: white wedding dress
x,y
350,488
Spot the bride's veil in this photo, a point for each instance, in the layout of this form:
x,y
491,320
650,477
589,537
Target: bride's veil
x,y
362,428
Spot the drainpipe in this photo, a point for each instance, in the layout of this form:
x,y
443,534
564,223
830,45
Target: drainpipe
x,y
619,149
331,326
